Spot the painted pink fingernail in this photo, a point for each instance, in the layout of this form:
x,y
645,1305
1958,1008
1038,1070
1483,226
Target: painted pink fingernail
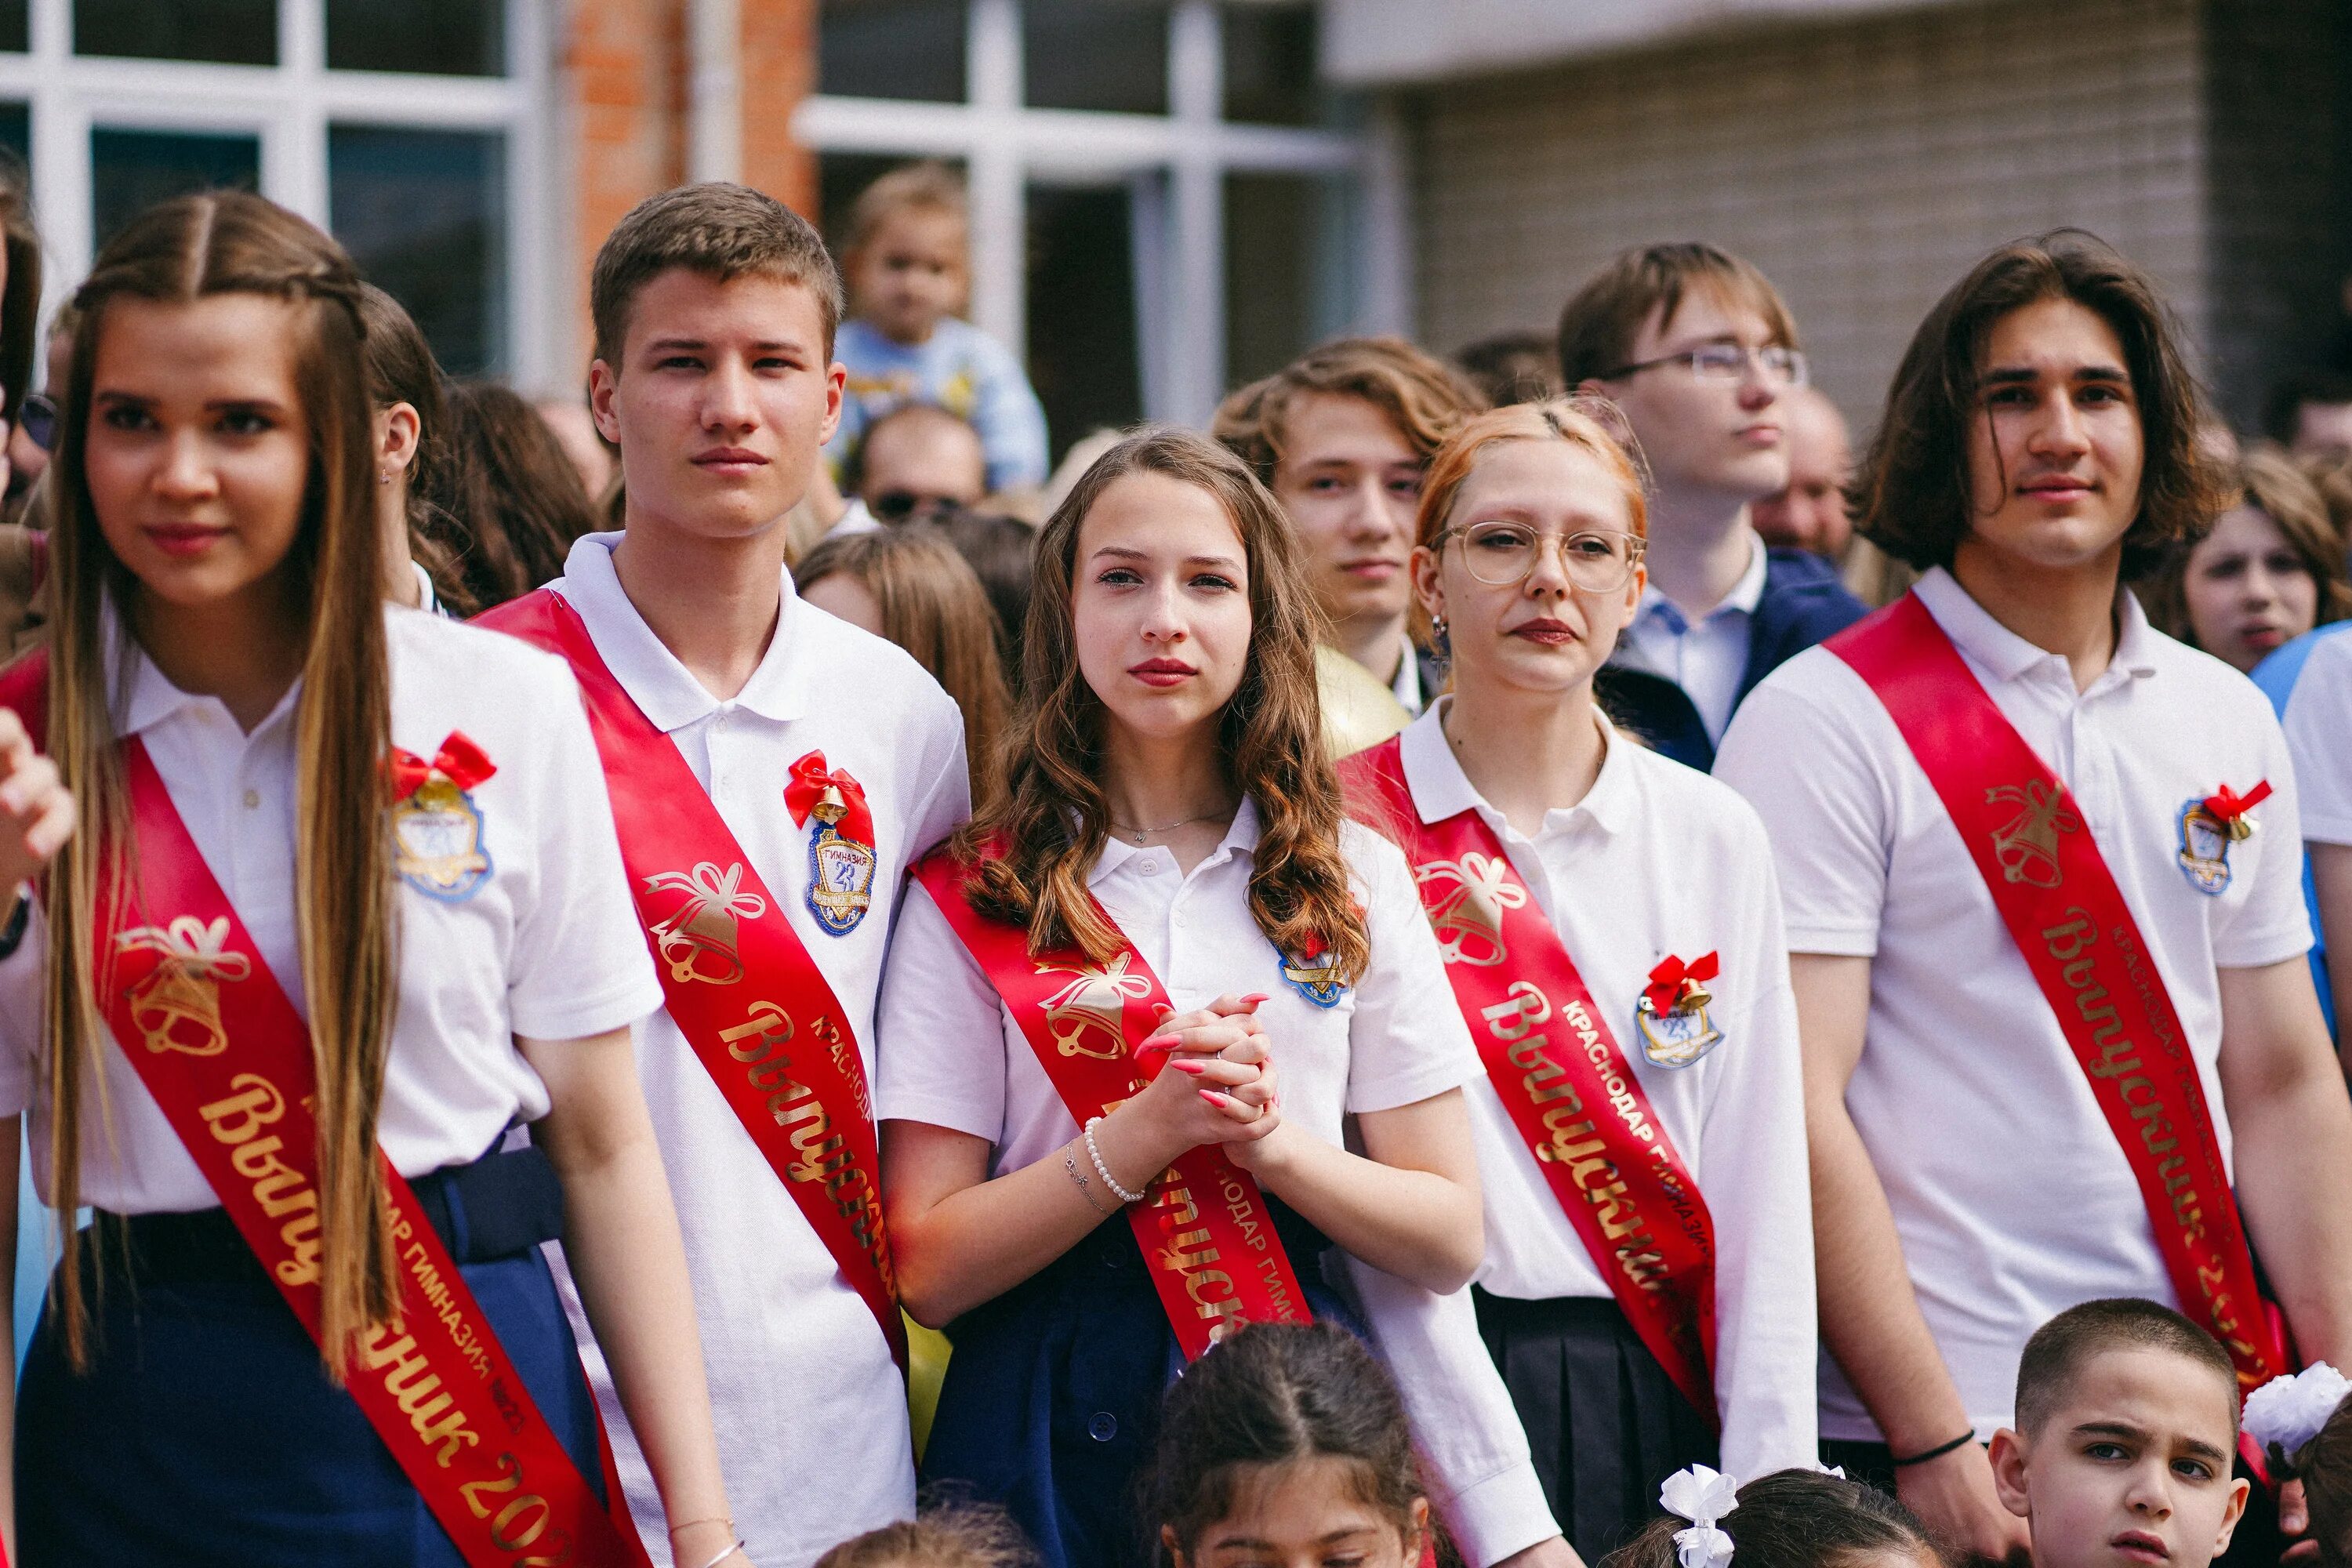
x,y
1195,1069
1255,997
1214,1097
1160,1043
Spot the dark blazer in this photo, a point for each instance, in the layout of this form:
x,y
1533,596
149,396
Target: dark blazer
x,y
1803,602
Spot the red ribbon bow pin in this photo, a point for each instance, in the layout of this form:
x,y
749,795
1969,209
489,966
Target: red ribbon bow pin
x,y
462,763
2228,807
814,786
1672,982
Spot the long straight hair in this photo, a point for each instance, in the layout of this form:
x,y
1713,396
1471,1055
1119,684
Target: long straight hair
x,y
191,248
1051,820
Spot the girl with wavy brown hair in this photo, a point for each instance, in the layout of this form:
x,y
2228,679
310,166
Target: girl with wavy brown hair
x,y
1166,816
345,908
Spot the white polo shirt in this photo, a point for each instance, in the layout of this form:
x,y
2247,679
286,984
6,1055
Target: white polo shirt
x,y
1707,658
810,1409
2319,736
2011,1197
1393,1039
1686,871
543,946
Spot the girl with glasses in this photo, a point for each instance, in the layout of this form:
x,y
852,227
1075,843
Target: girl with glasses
x,y
1612,931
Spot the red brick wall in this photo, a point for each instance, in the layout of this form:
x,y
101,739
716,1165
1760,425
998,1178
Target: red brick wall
x,y
626,74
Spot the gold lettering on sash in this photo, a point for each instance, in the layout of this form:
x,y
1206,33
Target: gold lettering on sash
x,y
176,1006
1092,1007
409,1378
1467,914
237,1121
699,939
2027,845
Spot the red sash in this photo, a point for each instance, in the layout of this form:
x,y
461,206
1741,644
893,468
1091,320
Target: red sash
x,y
1598,1143
215,1040
1203,1227
2069,919
806,1107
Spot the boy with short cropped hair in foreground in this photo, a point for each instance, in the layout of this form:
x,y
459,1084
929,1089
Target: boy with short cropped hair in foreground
x,y
2126,1429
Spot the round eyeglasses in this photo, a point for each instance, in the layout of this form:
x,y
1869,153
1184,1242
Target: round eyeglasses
x,y
1500,554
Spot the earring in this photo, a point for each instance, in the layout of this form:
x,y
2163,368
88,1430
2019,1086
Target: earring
x,y
384,478
1440,643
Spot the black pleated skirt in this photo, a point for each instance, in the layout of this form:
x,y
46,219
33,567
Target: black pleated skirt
x,y
1606,1423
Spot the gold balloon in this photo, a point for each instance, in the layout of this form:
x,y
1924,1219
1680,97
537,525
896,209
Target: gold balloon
x,y
1358,711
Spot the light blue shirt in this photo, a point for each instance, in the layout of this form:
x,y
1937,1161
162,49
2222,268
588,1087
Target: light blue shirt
x,y
960,369
2276,675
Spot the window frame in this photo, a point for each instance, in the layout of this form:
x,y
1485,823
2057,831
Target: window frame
x,y
289,106
1179,160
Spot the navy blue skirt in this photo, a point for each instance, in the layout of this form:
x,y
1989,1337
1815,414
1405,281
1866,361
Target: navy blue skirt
x,y
205,1431
1052,1394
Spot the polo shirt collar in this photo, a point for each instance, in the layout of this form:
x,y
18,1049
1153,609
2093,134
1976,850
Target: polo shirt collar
x,y
1745,595
1441,789
663,688
149,697
1996,648
1241,838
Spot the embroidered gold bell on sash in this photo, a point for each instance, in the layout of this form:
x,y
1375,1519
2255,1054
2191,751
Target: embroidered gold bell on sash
x,y
701,938
176,1005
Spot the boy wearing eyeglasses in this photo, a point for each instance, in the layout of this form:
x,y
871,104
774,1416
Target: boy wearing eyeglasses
x,y
1697,351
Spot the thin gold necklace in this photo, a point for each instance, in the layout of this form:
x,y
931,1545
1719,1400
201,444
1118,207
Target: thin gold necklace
x,y
1138,835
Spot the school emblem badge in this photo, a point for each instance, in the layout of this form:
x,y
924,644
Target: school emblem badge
x,y
1087,1018
1311,973
701,938
2208,825
841,848
1671,1017
436,828
176,1005
2027,845
1466,911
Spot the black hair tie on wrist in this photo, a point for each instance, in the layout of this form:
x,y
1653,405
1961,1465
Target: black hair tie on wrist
x,y
1938,1452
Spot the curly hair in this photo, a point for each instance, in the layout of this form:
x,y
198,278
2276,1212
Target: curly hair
x,y
1914,496
1425,398
1034,844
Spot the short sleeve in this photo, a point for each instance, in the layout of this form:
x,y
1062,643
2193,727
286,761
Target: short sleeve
x,y
578,966
1407,1041
1010,419
2271,924
940,1027
1821,786
2319,736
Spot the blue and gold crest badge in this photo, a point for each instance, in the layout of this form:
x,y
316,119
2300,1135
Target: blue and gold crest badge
x,y
841,845
2208,825
1671,1017
1312,971
437,828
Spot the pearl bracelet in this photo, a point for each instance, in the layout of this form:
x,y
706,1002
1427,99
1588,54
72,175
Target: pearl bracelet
x,y
1104,1171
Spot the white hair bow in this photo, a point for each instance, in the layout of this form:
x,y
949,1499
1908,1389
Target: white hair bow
x,y
2286,1413
1703,1497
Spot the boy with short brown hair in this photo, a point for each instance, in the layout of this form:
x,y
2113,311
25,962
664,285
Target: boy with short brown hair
x,y
2126,1429
772,771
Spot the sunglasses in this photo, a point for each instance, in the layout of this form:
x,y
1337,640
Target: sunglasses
x,y
38,416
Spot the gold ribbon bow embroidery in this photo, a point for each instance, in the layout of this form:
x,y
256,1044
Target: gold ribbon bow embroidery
x,y
706,922
176,1005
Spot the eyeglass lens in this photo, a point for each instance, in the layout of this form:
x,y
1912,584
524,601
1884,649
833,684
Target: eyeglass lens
x,y
1502,553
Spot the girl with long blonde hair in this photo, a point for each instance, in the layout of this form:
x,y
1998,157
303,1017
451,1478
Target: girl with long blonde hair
x,y
1612,933
346,904
1091,990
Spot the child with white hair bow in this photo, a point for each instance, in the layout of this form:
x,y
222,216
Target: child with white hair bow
x,y
1791,1519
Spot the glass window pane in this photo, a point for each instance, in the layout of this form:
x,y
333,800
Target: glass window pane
x,y
1082,356
423,214
15,25
130,170
1287,269
16,130
439,37
1270,65
892,48
229,32
1095,54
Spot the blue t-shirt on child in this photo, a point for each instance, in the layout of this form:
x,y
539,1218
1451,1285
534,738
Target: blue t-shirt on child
x,y
960,369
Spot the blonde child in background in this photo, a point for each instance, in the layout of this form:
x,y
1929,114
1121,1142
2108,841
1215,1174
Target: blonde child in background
x,y
905,260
